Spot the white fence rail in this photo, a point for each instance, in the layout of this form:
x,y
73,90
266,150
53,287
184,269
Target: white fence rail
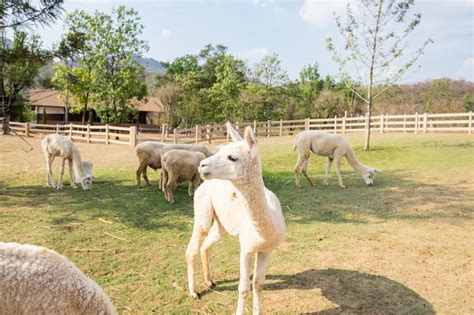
x,y
416,123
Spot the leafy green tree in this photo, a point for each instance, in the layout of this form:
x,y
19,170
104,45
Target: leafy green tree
x,y
17,14
376,47
22,63
110,42
469,102
269,72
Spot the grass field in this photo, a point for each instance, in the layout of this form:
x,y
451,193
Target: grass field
x,y
403,246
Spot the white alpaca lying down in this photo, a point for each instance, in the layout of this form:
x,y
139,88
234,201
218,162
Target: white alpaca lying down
x,y
334,147
36,280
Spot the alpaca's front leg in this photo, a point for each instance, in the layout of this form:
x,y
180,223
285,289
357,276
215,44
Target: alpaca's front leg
x,y
215,234
244,283
259,279
191,252
71,175
61,174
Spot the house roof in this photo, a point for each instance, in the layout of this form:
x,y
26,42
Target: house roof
x,y
52,98
151,104
45,97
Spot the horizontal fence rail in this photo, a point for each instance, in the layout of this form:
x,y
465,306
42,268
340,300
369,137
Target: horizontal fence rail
x,y
416,123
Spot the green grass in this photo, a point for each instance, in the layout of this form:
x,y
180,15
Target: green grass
x,y
401,246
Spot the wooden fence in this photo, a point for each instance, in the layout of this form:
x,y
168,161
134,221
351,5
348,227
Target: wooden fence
x,y
417,123
87,133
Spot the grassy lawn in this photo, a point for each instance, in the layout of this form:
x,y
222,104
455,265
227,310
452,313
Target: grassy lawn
x,y
403,246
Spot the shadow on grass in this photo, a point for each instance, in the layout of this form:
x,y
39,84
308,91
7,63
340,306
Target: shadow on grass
x,y
143,208
395,195
354,292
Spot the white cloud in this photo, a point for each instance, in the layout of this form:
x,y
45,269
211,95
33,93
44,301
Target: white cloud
x,y
467,70
166,33
320,12
252,54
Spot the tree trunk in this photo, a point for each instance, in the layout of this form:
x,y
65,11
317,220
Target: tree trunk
x,y
5,107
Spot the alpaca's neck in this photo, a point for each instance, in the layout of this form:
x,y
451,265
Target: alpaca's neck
x,y
253,191
77,165
354,162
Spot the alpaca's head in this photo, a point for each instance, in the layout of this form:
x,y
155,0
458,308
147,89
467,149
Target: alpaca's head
x,y
369,176
237,161
86,181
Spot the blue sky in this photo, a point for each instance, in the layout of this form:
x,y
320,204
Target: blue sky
x,y
295,30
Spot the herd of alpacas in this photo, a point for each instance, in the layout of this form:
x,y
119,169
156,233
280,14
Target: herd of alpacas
x,y
232,199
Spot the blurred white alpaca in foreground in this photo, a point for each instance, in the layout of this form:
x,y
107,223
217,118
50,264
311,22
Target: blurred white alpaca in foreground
x,y
64,148
233,199
36,280
334,147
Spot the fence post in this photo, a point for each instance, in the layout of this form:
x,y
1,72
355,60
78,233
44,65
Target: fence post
x,y
470,123
70,131
425,122
306,124
208,133
255,131
344,122
335,124
106,133
88,133
57,129
269,128
404,122
281,127
416,122
175,135
381,123
133,136
163,132
237,126
197,134
27,129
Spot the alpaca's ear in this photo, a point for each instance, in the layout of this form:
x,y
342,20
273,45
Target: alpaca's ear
x,y
250,138
234,134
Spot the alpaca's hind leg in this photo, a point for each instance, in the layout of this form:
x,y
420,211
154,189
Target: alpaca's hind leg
x,y
71,174
259,279
302,158
139,172
61,174
145,176
305,171
170,187
215,234
203,214
338,171
244,283
328,169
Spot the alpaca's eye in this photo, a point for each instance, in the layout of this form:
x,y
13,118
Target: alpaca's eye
x,y
233,159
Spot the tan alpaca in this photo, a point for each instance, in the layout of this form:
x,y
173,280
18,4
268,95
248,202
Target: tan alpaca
x,y
334,147
149,155
233,199
62,147
178,166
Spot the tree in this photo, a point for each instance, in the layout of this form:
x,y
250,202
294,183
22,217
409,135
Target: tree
x,y
469,102
269,72
375,47
21,64
15,14
107,60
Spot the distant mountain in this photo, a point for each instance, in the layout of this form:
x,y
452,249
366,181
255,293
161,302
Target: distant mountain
x,y
150,64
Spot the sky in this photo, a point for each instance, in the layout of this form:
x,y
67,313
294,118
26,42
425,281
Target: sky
x,y
295,30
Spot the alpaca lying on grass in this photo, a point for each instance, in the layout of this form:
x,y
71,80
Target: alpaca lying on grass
x,y
65,149
178,166
149,155
233,199
36,280
334,147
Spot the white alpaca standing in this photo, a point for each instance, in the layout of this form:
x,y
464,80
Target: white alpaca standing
x,y
36,280
233,199
334,147
64,148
